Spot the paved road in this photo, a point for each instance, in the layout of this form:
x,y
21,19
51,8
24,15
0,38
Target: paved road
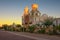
x,y
8,36
37,36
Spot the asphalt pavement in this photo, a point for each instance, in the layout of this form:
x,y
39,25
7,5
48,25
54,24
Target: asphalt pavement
x,y
8,36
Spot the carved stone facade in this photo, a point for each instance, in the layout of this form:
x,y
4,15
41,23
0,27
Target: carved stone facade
x,y
32,17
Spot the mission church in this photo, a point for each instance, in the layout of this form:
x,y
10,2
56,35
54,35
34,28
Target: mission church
x,y
33,17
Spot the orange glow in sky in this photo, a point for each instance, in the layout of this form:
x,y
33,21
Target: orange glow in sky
x,y
9,22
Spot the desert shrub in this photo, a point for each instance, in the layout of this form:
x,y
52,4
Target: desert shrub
x,y
50,32
55,29
31,28
59,28
41,31
5,27
22,29
1,27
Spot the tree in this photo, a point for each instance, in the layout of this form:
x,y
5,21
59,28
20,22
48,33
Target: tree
x,y
18,25
48,22
5,27
1,27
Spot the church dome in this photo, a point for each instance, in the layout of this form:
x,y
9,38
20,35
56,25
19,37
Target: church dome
x,y
34,6
26,10
44,16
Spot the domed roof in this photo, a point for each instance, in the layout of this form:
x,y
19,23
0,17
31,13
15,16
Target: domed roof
x,y
44,15
34,5
26,10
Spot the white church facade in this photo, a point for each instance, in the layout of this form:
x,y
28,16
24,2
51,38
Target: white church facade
x,y
34,16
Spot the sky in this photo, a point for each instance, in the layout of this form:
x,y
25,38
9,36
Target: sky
x,y
12,10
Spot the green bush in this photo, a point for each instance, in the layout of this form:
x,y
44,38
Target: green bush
x,y
22,29
31,28
41,31
5,27
59,28
1,27
13,29
50,32
55,30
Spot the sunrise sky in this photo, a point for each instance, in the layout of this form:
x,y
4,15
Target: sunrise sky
x,y
12,10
